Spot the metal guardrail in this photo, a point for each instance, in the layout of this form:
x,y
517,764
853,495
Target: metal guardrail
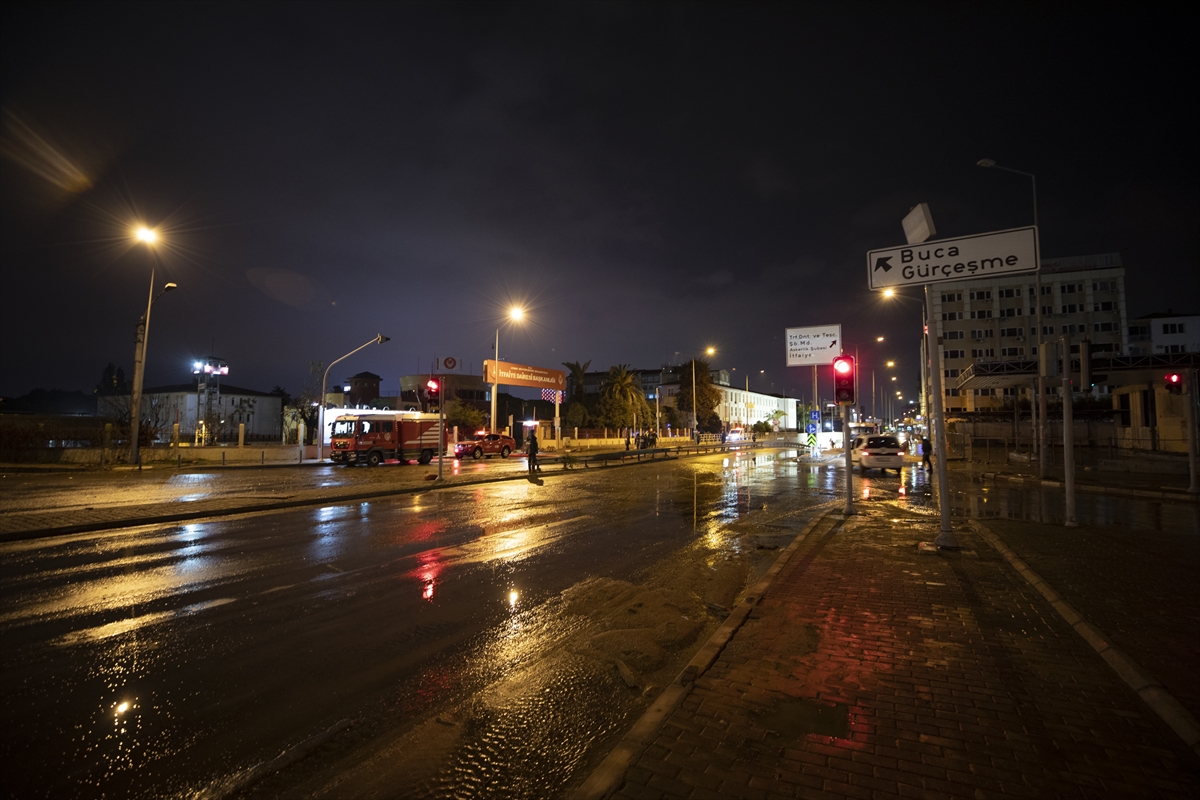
x,y
571,461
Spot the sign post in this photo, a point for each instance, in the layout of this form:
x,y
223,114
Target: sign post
x,y
814,345
922,263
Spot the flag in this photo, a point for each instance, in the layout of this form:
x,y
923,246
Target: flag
x,y
550,395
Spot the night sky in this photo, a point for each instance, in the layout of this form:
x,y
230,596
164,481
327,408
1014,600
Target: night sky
x,y
646,179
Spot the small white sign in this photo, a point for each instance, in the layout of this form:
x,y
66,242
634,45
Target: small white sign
x,y
816,345
979,256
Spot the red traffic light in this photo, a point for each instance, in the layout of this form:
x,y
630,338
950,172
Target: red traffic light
x,y
1174,383
432,384
1174,377
843,379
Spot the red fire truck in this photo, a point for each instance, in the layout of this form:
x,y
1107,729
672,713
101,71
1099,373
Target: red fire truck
x,y
371,438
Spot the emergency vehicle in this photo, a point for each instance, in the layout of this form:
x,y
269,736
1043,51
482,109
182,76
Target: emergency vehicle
x,y
372,438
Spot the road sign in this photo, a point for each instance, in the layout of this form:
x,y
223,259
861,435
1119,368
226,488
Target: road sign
x,y
812,440
810,428
511,374
979,256
815,416
815,346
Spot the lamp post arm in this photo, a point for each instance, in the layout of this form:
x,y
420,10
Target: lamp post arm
x,y
379,339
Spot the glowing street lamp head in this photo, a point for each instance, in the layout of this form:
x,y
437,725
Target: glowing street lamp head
x,y
879,338
889,292
516,313
891,363
147,235
710,351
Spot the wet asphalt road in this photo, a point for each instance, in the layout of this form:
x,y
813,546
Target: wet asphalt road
x,y
458,630
156,661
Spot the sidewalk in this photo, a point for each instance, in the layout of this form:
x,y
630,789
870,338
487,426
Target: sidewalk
x,y
871,669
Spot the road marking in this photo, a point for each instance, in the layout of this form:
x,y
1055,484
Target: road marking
x,y
134,623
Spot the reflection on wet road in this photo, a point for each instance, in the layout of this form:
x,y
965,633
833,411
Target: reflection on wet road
x,y
469,633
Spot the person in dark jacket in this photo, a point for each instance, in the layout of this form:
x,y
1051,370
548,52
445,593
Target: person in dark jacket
x,y
926,452
533,451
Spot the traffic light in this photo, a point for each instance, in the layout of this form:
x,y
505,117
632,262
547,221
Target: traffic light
x,y
843,379
433,389
1175,383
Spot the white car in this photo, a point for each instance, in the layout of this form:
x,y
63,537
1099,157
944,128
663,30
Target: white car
x,y
877,452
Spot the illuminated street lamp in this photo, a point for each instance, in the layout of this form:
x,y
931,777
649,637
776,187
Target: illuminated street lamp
x,y
148,237
695,418
516,314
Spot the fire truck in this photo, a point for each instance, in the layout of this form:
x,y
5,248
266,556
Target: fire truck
x,y
372,438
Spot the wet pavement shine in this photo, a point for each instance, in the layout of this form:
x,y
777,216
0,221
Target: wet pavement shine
x,y
493,640
165,660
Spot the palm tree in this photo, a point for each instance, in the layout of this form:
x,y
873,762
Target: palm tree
x,y
577,372
622,396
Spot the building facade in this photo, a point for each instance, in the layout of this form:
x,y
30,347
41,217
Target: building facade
x,y
205,413
1164,334
995,319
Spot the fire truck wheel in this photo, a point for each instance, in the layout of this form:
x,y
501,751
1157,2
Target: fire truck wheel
x,y
374,459
426,457
477,453
504,451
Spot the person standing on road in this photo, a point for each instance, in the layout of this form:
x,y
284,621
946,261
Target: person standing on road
x,y
926,452
533,451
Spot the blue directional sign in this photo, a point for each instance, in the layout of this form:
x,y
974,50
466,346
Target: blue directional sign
x,y
815,416
810,428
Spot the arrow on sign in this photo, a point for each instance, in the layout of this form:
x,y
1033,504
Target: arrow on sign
x,y
882,263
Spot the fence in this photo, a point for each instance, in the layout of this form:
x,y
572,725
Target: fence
x,y
1094,453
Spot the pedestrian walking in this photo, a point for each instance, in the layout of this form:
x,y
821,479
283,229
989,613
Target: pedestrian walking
x,y
926,452
627,441
533,451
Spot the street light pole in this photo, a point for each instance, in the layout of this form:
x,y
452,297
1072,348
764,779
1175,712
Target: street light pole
x,y
1041,379
515,313
149,237
379,339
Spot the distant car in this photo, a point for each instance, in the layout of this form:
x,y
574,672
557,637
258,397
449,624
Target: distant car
x,y
485,444
877,452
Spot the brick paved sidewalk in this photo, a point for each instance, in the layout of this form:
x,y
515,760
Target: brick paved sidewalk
x,y
869,670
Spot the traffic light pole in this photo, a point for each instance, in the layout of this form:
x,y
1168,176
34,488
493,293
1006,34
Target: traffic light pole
x,y
849,462
1191,428
938,428
1068,402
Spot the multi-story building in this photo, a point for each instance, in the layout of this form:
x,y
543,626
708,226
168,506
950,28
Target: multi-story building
x,y
1164,334
995,319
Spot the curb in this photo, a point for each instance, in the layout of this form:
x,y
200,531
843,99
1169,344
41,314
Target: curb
x,y
606,779
1180,496
1162,702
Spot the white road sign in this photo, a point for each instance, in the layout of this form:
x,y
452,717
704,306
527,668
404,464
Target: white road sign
x,y
817,345
979,256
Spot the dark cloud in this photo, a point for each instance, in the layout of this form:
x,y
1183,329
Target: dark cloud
x,y
649,178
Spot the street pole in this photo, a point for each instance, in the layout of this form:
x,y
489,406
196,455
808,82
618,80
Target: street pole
x,y
139,373
495,378
938,428
846,446
441,429
1068,401
1194,488
379,339
695,418
1040,426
